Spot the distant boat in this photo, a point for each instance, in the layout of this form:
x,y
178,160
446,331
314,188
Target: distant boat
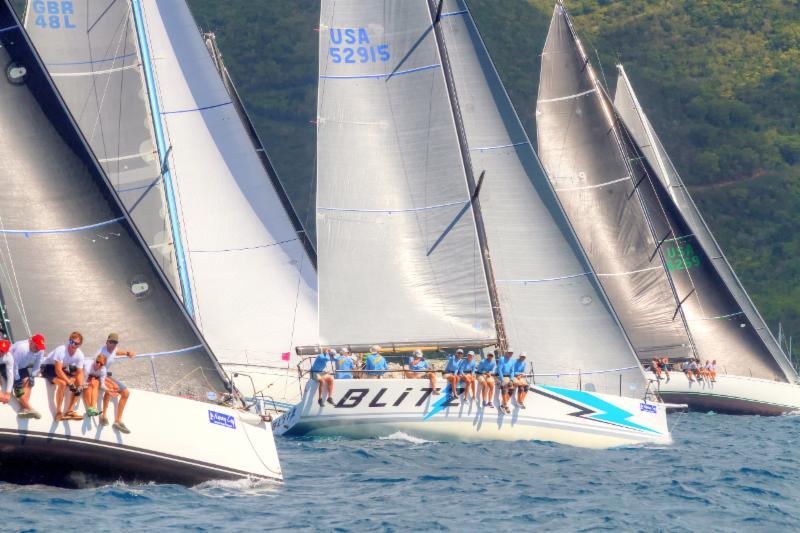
x,y
71,258
196,180
754,376
423,169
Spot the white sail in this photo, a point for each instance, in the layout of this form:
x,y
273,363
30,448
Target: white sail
x,y
399,257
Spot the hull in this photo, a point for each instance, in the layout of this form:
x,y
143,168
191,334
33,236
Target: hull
x,y
375,408
279,388
731,394
195,442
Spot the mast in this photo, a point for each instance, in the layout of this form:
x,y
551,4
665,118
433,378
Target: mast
x,y
474,187
163,154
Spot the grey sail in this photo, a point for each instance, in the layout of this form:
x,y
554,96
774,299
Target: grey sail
x,y
70,257
553,307
723,321
580,150
90,50
399,257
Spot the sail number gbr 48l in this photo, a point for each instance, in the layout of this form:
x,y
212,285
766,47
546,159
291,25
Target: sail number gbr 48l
x,y
353,45
53,14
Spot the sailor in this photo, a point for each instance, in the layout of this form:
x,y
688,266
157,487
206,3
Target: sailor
x,y
687,372
694,369
665,367
344,365
505,374
28,355
467,371
7,371
712,371
64,368
113,386
376,365
417,365
96,374
656,367
452,371
520,380
320,372
484,371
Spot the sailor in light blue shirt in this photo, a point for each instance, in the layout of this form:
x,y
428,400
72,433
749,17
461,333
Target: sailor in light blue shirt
x,y
505,373
486,369
520,379
417,365
376,365
344,366
467,371
321,373
453,370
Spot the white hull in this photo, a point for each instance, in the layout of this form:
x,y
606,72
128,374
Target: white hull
x,y
731,394
373,408
279,387
172,440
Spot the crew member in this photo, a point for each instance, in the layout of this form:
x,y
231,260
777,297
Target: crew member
x,y
417,365
64,368
96,375
520,380
467,372
485,373
451,371
321,374
713,371
28,355
665,367
505,373
376,365
344,365
7,371
113,386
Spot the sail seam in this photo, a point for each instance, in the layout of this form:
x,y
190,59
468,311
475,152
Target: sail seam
x,y
60,230
498,147
243,249
405,210
610,274
125,157
562,98
594,186
90,62
526,281
163,354
623,369
454,13
178,111
93,72
379,76
717,317
9,28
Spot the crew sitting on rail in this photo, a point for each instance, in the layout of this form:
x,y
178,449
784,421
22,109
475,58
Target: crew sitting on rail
x,y
520,381
687,371
64,368
712,371
96,374
376,365
28,355
321,374
344,365
505,373
694,368
452,371
7,371
655,365
484,371
114,387
665,367
417,365
467,371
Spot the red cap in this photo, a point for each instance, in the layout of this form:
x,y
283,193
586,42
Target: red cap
x,y
4,346
38,340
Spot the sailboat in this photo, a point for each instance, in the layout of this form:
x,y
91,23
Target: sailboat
x,y
173,136
423,168
71,258
754,375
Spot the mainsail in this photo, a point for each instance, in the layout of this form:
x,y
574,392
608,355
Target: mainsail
x,y
399,255
70,257
723,321
553,307
250,281
580,148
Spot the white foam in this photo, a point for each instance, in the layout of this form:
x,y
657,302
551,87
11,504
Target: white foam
x,y
399,435
222,488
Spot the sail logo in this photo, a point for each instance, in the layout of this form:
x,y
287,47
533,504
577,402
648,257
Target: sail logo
x,y
681,257
53,14
353,45
221,419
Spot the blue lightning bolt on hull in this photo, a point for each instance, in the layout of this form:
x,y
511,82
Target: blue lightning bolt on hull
x,y
605,412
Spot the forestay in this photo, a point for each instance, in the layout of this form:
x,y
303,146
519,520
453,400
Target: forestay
x,y
399,258
724,323
252,282
580,150
90,50
552,306
70,258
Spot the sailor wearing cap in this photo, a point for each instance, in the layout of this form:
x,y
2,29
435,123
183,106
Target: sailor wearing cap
x,y
453,370
520,379
484,371
505,373
7,371
344,365
112,385
28,355
467,371
64,368
320,372
417,365
376,365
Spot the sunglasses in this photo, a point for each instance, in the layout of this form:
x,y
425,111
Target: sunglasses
x,y
112,342
74,343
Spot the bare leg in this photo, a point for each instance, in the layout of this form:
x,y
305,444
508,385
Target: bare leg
x,y
106,399
432,378
25,399
60,385
123,399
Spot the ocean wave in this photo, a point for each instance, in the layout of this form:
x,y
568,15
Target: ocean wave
x,y
400,435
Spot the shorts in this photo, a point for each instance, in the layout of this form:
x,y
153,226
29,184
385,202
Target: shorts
x,y
49,372
120,385
317,376
485,378
23,373
506,383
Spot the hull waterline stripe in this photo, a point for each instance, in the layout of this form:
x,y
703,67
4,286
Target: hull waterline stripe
x,y
593,186
390,211
106,60
570,97
92,72
179,111
498,147
379,76
62,230
526,281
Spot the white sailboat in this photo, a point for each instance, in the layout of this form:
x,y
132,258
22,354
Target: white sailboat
x,y
410,111
71,258
754,376
232,245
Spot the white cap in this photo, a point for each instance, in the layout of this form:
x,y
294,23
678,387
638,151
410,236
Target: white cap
x,y
375,348
522,354
470,352
418,353
459,351
345,350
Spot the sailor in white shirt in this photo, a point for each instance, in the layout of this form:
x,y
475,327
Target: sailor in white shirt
x,y
28,355
115,387
96,374
7,371
64,368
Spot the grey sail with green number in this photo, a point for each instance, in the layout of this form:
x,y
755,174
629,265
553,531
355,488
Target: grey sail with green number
x,y
70,256
580,148
723,321
553,307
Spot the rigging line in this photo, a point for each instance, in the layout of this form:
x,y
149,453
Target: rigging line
x,y
681,303
498,147
561,98
179,111
454,13
612,274
126,157
93,72
378,76
391,211
16,288
162,354
90,62
559,278
93,24
664,238
716,317
27,232
9,28
585,187
245,248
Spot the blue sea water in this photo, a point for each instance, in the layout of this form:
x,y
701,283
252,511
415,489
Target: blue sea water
x,y
722,473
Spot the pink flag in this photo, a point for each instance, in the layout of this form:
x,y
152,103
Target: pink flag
x,y
285,356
